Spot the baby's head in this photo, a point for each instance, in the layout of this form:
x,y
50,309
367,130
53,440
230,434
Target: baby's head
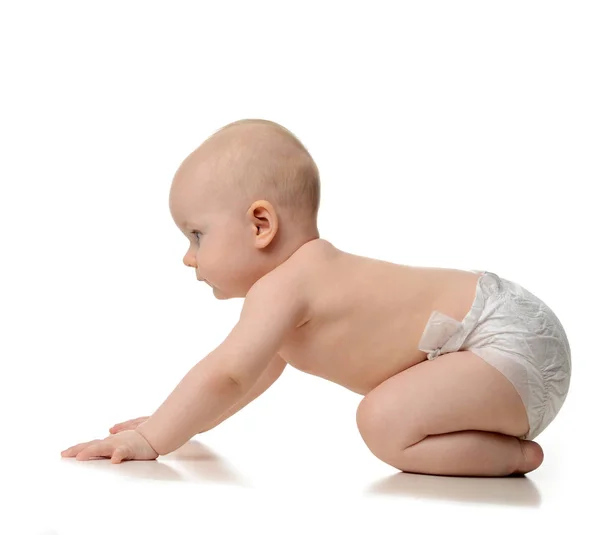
x,y
247,199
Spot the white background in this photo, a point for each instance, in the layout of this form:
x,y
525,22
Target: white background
x,y
450,134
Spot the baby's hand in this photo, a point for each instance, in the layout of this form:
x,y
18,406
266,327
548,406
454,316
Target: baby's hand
x,y
126,445
129,424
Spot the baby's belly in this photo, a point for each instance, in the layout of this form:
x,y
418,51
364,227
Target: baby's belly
x,y
359,364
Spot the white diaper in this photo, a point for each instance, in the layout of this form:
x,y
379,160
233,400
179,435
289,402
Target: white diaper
x,y
518,334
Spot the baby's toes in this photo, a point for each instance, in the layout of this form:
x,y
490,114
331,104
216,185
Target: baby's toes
x,y
532,456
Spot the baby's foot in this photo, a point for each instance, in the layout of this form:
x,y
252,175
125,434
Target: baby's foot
x,y
531,457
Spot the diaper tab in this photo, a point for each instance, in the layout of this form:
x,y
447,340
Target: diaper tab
x,y
433,354
439,334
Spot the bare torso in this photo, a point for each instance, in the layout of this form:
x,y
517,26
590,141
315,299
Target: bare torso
x,y
366,316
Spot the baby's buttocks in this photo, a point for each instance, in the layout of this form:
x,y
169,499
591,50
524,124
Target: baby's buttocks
x,y
518,334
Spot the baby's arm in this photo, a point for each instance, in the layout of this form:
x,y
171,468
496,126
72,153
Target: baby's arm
x,y
226,375
272,372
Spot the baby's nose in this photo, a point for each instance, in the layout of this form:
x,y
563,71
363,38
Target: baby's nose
x,y
188,263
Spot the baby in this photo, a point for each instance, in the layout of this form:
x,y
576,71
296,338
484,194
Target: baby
x,y
459,370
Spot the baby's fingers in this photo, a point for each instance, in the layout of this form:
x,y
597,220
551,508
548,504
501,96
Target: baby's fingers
x,y
74,450
120,454
101,448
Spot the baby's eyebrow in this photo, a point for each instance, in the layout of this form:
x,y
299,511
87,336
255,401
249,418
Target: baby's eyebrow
x,y
190,224
183,229
189,229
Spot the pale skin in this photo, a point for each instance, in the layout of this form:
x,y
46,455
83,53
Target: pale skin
x,y
352,320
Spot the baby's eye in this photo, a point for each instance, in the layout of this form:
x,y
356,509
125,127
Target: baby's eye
x,y
197,234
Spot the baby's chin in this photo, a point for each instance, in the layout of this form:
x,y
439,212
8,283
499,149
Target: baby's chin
x,y
219,294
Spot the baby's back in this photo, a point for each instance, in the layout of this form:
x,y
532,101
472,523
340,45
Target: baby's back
x,y
366,316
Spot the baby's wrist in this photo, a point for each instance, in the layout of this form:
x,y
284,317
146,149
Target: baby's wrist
x,y
137,430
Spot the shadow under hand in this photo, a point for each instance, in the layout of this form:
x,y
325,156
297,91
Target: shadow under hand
x,y
519,491
193,458
137,469
203,464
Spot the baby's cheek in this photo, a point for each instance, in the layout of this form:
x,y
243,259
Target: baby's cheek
x,y
216,263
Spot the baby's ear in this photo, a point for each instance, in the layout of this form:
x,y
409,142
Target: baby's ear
x,y
265,222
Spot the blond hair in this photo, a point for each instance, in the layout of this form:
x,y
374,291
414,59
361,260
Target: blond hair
x,y
266,161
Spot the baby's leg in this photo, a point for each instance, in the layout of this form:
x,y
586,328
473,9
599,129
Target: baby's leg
x,y
454,415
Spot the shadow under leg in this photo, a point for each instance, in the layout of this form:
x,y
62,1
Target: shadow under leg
x,y
470,453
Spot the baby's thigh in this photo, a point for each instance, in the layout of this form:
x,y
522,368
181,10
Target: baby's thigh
x,y
454,392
